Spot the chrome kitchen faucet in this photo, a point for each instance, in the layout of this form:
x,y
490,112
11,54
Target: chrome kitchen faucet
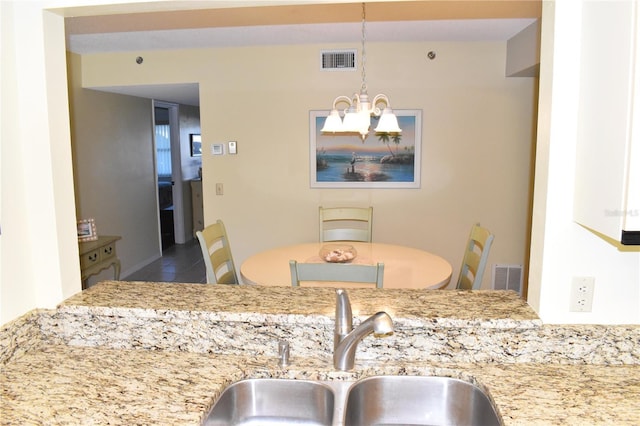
x,y
346,338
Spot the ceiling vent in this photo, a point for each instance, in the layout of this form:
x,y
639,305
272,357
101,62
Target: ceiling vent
x,y
338,60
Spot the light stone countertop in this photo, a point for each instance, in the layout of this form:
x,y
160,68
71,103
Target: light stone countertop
x,y
71,385
131,353
489,308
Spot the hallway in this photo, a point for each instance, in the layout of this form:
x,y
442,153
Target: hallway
x,y
181,263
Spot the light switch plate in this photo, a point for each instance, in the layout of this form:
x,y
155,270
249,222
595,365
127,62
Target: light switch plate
x,y
217,149
232,147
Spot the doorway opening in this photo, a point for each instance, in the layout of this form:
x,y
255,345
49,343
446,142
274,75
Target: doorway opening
x,y
165,179
168,172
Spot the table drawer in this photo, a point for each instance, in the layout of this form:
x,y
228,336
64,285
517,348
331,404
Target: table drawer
x,y
108,251
97,255
90,258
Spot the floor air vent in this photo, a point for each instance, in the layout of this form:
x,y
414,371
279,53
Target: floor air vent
x,y
338,60
507,277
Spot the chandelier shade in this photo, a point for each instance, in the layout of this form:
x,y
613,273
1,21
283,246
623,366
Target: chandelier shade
x,y
333,122
388,122
358,110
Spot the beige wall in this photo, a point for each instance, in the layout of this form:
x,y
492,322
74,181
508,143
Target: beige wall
x,y
114,171
476,147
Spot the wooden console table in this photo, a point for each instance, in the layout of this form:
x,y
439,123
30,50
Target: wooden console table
x,y
98,255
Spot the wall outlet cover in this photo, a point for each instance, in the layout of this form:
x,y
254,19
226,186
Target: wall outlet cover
x,y
582,294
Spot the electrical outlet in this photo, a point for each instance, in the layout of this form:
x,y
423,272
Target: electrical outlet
x,y
582,294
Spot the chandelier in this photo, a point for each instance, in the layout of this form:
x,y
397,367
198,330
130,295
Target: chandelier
x,y
359,109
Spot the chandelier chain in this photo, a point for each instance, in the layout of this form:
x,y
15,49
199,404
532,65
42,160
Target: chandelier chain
x,y
357,116
364,53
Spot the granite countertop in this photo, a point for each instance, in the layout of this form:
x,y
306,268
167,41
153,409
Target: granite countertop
x,y
72,385
490,307
72,365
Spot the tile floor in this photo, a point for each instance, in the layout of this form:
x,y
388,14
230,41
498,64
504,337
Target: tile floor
x,y
180,263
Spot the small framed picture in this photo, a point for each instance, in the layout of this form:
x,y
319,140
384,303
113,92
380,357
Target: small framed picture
x,y
196,145
87,230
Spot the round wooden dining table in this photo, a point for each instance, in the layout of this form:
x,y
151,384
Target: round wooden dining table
x,y
404,267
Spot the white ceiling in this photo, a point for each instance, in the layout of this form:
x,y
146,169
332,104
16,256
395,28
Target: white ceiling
x,y
405,31
442,30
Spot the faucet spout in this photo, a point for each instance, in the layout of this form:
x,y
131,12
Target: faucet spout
x,y
346,340
344,317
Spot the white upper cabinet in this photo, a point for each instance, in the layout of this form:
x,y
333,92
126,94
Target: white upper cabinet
x,y
607,196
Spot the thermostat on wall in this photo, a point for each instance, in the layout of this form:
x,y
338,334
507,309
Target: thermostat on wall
x,y
217,149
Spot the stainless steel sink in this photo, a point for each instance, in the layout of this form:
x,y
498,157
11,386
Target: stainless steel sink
x,y
272,402
416,400
378,400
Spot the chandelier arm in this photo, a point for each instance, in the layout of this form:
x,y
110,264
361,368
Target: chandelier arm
x,y
357,101
380,98
341,98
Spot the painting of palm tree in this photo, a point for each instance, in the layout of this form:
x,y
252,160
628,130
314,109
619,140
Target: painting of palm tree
x,y
381,160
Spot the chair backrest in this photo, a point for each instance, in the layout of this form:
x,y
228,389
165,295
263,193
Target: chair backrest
x,y
475,258
346,223
216,253
338,272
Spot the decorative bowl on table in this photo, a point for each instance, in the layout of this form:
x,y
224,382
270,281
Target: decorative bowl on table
x,y
338,253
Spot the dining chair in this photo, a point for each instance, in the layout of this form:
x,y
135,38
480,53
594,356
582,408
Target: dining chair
x,y
475,258
216,253
346,224
337,272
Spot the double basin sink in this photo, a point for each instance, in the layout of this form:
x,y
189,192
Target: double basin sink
x,y
377,400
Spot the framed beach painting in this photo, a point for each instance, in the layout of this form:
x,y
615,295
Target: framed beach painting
x,y
381,161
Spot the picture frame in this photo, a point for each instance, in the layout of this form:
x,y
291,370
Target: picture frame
x,y
87,230
381,161
195,141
